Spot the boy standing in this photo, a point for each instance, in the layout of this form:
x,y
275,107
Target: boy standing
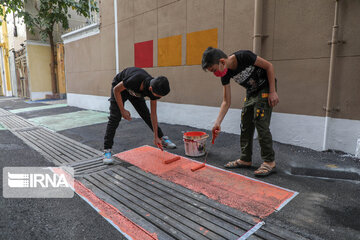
x,y
134,84
258,77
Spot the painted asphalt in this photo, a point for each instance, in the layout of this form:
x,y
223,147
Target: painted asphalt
x,y
230,189
325,208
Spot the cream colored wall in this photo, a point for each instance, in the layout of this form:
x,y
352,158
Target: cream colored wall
x,y
299,32
39,68
92,68
297,44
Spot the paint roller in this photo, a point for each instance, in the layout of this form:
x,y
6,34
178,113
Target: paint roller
x,y
168,161
200,166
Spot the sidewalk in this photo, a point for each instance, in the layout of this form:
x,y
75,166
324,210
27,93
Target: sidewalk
x,y
327,182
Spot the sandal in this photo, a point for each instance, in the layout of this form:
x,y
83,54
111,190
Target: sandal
x,y
264,170
236,164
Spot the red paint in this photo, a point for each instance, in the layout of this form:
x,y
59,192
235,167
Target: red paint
x,y
108,211
247,195
143,52
194,134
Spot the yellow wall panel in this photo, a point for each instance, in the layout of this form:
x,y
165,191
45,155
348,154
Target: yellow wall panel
x,y
197,42
39,60
169,51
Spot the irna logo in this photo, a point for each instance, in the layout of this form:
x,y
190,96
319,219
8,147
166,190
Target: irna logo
x,y
36,180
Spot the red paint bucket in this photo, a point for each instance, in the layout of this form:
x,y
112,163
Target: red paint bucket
x,y
194,143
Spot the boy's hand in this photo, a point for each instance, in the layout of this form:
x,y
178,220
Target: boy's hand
x,y
157,142
126,115
273,99
215,132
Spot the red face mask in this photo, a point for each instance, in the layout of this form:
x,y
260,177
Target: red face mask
x,y
219,73
222,73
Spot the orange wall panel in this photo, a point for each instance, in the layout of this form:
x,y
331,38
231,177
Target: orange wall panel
x,y
169,51
197,42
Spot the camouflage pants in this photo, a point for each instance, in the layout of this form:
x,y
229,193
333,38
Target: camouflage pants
x,y
256,113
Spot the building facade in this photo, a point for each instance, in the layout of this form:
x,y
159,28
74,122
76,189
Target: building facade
x,y
316,64
29,57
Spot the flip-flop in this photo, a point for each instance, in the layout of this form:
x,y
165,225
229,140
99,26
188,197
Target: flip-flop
x,y
236,164
265,169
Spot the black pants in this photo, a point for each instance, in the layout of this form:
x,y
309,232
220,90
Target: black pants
x,y
115,117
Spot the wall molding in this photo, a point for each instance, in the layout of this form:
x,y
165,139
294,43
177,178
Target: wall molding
x,y
295,129
81,33
37,43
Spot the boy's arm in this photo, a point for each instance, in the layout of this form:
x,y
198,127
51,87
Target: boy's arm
x,y
117,93
225,105
273,98
154,122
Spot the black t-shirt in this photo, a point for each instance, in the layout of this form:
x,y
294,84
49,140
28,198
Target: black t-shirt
x,y
132,78
251,77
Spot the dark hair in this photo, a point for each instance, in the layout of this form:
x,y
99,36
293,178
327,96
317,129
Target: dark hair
x,y
160,85
211,56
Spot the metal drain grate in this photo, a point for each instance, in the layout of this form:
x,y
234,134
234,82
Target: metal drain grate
x,y
4,112
91,166
56,147
172,211
53,146
13,122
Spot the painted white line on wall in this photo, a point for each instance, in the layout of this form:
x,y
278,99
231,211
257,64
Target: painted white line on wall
x,y
300,130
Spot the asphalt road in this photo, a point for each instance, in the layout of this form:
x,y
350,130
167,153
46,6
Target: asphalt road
x,y
325,208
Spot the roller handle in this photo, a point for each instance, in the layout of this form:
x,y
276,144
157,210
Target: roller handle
x,y
214,135
161,147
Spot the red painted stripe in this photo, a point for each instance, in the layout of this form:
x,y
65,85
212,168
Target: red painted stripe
x,y
245,194
110,212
